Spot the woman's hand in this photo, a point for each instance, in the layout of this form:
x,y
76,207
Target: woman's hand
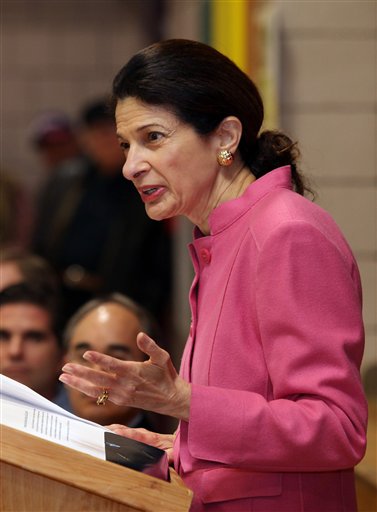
x,y
162,441
152,385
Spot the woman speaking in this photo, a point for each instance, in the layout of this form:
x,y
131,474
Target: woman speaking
x,y
269,396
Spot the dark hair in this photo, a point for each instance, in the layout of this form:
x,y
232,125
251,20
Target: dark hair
x,y
147,322
96,112
201,87
45,298
33,268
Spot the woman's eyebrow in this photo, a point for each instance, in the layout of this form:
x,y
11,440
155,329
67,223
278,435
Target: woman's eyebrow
x,y
143,127
148,125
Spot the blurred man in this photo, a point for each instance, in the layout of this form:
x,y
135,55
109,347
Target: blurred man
x,y
16,211
30,343
17,265
108,325
94,229
54,139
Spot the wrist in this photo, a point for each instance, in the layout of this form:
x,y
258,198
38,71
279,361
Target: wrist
x,y
182,400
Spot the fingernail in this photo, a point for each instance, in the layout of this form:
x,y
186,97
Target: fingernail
x,y
67,368
88,356
63,378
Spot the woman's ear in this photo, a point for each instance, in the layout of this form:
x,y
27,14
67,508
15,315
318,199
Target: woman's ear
x,y
229,133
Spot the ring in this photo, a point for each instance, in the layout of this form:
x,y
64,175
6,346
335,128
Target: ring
x,y
102,398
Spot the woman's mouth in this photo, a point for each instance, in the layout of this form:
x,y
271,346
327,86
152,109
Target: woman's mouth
x,y
149,194
149,191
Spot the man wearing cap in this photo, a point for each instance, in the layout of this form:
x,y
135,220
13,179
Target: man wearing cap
x,y
54,139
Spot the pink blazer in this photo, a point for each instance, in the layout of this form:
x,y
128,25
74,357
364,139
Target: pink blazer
x,y
278,415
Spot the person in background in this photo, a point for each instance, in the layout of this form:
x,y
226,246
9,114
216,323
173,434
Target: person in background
x,y
54,139
16,211
31,350
17,265
108,324
269,396
94,231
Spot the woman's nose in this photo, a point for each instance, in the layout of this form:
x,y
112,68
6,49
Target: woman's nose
x,y
131,176
135,165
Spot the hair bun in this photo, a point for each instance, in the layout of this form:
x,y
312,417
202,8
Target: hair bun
x,y
274,149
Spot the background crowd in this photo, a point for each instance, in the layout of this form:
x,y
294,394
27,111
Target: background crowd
x,y
78,252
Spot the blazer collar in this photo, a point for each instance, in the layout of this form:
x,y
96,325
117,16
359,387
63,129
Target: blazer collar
x,y
227,213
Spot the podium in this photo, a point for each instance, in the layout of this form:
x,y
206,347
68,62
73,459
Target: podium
x,y
38,475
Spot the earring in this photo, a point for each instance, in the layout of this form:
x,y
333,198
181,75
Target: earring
x,y
225,158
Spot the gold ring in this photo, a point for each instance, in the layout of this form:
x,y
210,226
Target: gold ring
x,y
102,398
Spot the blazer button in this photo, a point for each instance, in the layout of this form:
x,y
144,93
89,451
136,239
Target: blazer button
x,y
205,255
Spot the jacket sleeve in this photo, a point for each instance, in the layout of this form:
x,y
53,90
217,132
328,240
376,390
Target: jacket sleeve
x,y
308,301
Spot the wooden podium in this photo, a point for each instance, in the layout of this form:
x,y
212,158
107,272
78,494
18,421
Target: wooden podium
x,y
38,475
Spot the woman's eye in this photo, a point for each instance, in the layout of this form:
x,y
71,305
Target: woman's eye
x,y
153,136
124,146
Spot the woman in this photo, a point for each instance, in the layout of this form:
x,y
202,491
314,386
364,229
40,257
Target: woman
x,y
271,408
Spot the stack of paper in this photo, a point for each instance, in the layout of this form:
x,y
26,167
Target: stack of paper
x,y
24,409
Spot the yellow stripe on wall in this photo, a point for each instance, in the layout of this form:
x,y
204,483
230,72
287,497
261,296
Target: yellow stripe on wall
x,y
229,22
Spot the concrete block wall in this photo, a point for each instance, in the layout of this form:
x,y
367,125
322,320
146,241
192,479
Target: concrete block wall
x,y
58,54
329,104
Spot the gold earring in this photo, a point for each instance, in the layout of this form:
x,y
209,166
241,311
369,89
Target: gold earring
x,y
225,158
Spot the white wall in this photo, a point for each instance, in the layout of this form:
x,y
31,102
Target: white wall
x,y
58,54
328,103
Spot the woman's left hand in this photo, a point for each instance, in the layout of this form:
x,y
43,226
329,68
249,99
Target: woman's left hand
x,y
152,385
162,441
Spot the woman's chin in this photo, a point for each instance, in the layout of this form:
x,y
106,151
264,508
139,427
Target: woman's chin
x,y
156,213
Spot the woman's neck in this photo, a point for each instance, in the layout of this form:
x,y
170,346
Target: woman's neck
x,y
232,186
236,186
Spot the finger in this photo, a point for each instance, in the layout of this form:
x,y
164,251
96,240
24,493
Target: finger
x,y
77,375
138,434
116,425
80,385
121,430
128,430
105,362
83,372
157,355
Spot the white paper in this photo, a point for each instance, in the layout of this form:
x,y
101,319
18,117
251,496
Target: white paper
x,y
24,409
